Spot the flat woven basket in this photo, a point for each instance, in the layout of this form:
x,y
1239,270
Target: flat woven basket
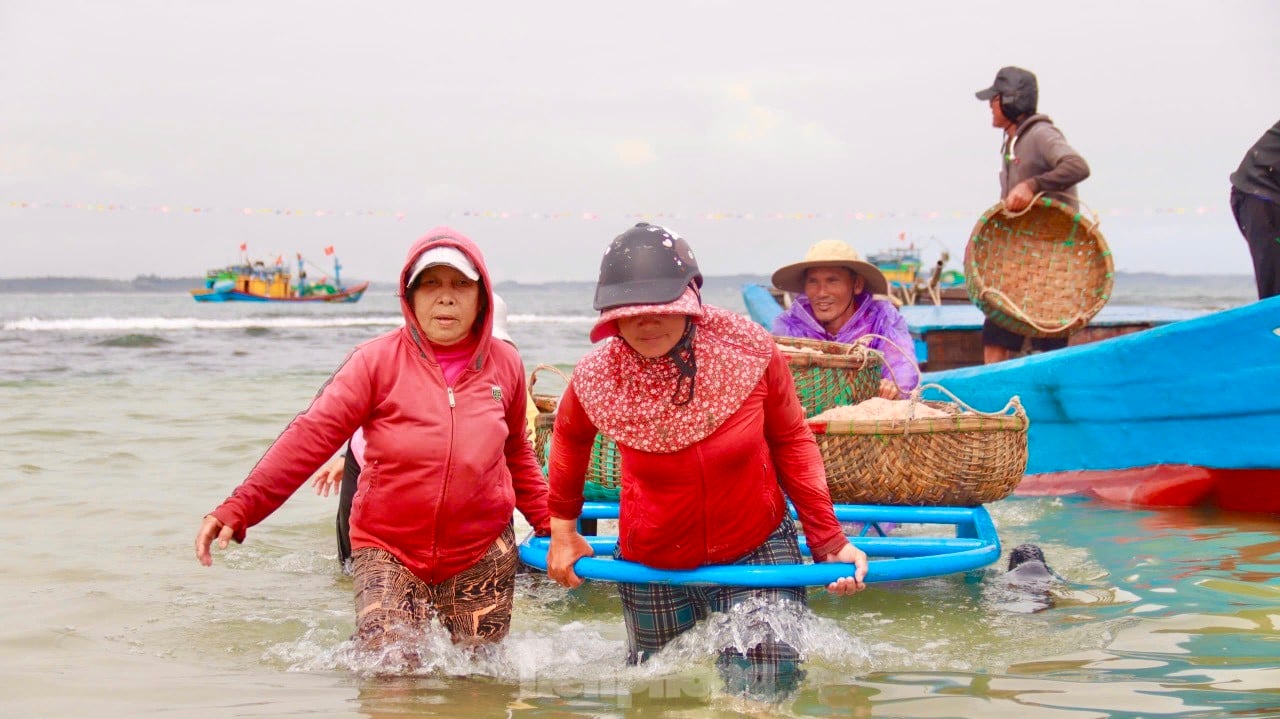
x,y
830,374
604,469
966,459
1042,272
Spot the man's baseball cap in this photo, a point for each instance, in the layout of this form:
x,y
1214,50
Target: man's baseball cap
x,y
1010,82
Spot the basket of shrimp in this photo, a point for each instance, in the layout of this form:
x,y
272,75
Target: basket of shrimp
x,y
604,468
830,374
922,452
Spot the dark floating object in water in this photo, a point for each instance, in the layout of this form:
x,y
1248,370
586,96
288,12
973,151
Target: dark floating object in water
x,y
134,340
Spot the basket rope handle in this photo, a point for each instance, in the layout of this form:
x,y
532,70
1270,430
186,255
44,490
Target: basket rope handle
x,y
1097,220
1079,319
533,376
861,347
1011,408
865,340
1009,213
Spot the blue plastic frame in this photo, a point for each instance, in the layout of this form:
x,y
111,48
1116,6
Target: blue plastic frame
x,y
893,558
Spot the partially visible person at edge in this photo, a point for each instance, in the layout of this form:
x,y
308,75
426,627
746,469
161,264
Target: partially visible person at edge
x,y
710,433
835,299
447,459
342,473
1255,202
1034,158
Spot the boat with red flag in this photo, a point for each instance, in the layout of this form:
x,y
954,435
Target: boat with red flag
x,y
260,281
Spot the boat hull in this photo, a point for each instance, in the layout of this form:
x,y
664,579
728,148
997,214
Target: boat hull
x,y
1183,413
1165,485
350,294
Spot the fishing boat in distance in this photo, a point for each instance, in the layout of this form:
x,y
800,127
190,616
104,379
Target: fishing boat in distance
x,y
259,282
910,283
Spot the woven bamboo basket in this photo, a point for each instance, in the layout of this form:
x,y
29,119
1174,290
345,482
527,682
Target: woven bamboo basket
x,y
604,469
1042,272
543,425
546,402
830,374
965,459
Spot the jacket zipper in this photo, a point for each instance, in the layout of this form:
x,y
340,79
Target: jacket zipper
x,y
444,486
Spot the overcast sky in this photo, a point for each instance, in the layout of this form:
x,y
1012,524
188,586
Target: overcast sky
x,y
755,128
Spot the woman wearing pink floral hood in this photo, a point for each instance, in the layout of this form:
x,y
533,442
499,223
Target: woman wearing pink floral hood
x,y
711,435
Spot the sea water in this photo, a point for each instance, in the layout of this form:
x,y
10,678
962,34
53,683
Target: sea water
x,y
124,418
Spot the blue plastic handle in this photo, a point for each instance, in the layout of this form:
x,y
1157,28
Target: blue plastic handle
x,y
894,558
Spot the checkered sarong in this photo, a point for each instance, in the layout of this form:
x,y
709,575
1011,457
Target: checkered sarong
x,y
657,613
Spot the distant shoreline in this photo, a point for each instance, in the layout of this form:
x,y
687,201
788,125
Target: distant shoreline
x,y
153,283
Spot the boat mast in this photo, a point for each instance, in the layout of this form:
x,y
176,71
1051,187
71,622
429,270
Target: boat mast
x,y
302,275
337,273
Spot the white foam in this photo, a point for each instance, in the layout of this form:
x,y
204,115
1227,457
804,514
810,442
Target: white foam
x,y
170,324
178,324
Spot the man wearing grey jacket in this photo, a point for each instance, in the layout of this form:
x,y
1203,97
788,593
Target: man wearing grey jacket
x,y
1035,158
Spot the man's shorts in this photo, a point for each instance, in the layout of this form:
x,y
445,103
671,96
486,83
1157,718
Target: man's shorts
x,y
994,334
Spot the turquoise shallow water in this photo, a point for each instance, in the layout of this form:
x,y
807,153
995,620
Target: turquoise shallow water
x,y
123,418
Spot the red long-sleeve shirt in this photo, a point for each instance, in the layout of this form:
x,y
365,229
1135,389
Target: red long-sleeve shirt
x,y
716,500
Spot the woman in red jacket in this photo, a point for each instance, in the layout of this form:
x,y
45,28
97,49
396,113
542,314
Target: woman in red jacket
x,y
711,433
447,459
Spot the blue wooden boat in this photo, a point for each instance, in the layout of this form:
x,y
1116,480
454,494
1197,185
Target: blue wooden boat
x,y
1182,412
893,558
1179,414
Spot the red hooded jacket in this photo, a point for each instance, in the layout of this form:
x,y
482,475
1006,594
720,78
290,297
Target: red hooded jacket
x,y
444,466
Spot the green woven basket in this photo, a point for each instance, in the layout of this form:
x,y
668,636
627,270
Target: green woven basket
x,y
604,468
604,471
830,374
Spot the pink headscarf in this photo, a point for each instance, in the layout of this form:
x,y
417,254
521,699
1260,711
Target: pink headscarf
x,y
629,397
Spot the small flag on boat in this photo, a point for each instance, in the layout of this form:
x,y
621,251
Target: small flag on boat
x,y
328,250
279,259
244,246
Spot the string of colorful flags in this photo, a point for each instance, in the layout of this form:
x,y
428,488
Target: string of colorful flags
x,y
400,215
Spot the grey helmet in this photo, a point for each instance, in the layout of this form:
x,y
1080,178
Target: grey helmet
x,y
646,265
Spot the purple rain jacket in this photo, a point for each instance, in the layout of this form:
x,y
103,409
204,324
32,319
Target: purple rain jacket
x,y
875,315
